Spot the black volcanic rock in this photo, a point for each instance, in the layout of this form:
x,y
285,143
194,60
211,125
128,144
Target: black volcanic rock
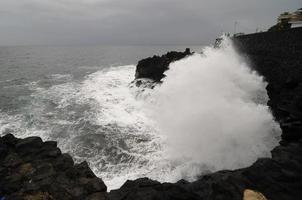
x,y
32,169
147,189
154,67
279,178
278,57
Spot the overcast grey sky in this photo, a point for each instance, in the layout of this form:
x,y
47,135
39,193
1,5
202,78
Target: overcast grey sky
x,y
133,21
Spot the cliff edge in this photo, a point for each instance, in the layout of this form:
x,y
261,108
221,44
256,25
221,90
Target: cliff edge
x,y
154,67
31,169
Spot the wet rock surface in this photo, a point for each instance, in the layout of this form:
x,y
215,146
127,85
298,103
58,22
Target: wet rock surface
x,y
277,178
278,57
31,169
154,67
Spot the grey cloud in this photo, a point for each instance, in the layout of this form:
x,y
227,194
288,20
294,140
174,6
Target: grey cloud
x,y
132,21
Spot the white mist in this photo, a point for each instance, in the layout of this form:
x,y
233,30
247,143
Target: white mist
x,y
212,110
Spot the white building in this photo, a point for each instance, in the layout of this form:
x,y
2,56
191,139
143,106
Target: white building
x,y
295,18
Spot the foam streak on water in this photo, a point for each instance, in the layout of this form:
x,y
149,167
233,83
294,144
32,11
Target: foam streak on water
x,y
98,120
209,114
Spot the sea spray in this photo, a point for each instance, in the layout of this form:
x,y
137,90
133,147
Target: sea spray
x,y
209,114
211,108
97,120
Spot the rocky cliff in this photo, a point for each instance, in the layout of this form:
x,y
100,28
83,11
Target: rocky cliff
x,y
32,169
278,57
154,67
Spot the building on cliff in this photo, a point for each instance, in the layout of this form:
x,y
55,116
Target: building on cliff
x,y
294,18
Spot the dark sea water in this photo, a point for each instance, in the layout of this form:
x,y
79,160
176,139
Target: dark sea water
x,y
209,114
79,96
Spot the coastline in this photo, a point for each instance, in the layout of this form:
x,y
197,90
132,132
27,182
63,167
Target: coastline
x,y
275,55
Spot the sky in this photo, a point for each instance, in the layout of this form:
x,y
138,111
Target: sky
x,y
133,22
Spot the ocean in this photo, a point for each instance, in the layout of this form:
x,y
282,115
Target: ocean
x,y
79,97
209,114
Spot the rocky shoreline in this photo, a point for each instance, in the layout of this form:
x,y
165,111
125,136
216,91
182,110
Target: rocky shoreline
x,y
153,68
31,169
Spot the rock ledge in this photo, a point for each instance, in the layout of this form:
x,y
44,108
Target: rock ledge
x,y
31,169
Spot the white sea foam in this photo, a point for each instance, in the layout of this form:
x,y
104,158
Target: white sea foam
x,y
98,120
136,145
209,114
212,109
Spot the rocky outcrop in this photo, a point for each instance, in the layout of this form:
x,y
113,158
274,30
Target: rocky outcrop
x,y
154,67
278,57
31,169
278,178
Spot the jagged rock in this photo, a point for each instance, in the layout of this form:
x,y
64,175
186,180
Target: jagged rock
x,y
291,131
38,196
277,178
154,67
63,162
29,143
96,196
32,169
12,160
278,57
3,150
147,189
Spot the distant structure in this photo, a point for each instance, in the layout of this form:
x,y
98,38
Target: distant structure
x,y
238,34
291,18
288,20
